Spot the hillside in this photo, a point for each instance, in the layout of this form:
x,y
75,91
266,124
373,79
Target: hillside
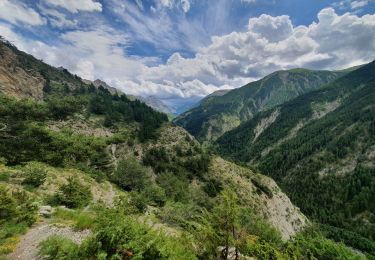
x,y
89,174
319,148
220,113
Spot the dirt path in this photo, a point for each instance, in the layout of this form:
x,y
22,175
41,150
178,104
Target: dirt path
x,y
27,248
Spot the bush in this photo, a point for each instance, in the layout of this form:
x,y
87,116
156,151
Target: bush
x,y
138,202
35,176
16,207
212,187
73,194
122,237
58,248
155,194
176,187
130,175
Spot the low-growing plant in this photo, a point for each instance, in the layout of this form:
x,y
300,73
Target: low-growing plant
x,y
59,248
80,220
34,176
73,194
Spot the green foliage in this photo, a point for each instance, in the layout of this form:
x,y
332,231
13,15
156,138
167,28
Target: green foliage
x,y
176,187
117,109
59,248
35,175
193,165
73,194
308,245
212,187
221,228
349,238
17,212
130,175
80,220
258,226
155,194
121,237
16,206
30,141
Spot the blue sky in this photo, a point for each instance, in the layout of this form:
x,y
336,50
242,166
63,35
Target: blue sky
x,y
182,50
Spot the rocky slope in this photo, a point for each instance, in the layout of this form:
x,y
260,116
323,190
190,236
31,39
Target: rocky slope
x,y
17,81
218,114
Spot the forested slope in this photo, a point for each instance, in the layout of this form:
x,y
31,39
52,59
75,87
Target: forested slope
x,y
218,114
320,149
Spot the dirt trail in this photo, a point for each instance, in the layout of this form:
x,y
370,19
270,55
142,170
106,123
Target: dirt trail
x,y
27,248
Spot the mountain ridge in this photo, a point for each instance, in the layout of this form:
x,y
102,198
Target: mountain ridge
x,y
220,114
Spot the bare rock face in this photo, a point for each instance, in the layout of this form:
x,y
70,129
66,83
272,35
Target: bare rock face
x,y
17,82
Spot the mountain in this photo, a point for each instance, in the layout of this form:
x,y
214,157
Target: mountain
x,y
109,177
320,148
157,104
151,101
218,114
100,83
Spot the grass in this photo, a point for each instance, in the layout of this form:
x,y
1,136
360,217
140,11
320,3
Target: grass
x,y
79,220
9,236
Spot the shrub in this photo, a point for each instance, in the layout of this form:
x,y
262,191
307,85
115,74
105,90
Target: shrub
x,y
176,187
155,194
35,176
16,207
212,187
130,175
122,237
138,202
58,248
73,194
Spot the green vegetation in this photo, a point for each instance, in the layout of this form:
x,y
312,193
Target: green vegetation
x,y
35,176
130,175
73,194
218,114
325,166
17,212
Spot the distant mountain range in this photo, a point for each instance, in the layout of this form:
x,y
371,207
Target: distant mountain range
x,y
227,109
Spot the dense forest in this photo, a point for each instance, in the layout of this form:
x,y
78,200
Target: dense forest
x,y
319,149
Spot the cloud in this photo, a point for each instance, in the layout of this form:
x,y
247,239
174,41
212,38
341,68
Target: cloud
x,y
273,29
16,13
74,6
354,5
232,60
185,4
358,4
58,19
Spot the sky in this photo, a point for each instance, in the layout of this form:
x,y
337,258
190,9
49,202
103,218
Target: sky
x,y
182,50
